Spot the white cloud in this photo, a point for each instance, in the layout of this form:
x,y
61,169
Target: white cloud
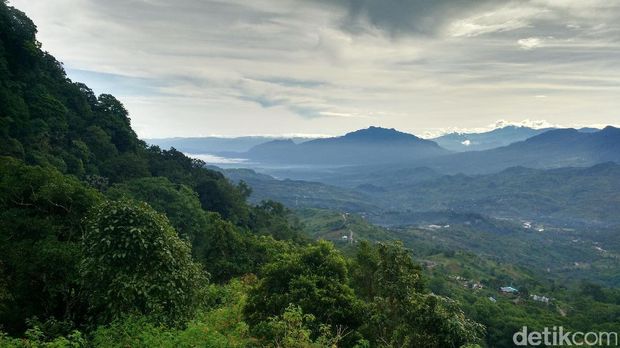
x,y
535,124
502,19
530,43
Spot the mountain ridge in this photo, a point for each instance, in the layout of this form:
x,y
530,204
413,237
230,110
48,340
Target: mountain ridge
x,y
370,145
566,147
498,137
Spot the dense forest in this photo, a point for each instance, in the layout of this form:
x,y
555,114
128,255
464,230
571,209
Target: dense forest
x,y
108,242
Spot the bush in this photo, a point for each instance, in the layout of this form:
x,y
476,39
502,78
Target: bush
x,y
134,262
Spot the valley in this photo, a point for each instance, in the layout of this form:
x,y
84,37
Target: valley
x,y
353,198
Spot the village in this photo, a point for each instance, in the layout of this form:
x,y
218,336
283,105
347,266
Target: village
x,y
509,292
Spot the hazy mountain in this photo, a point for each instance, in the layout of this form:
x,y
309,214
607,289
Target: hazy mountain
x,y
552,149
370,162
214,145
564,197
373,145
297,193
495,138
453,141
487,140
588,129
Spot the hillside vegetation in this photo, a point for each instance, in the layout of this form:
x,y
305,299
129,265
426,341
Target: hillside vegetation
x,y
565,197
471,261
108,242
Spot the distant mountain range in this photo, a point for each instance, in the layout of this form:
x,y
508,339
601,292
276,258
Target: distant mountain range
x,y
387,150
564,197
495,138
372,145
486,140
456,141
552,149
214,145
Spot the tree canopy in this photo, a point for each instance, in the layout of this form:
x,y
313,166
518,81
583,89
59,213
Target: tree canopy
x,y
134,262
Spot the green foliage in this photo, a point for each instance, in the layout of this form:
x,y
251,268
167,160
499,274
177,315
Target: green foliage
x,y
35,338
214,191
135,262
42,113
218,326
401,314
178,202
125,166
47,119
290,330
315,279
385,270
41,212
272,218
225,249
422,320
332,225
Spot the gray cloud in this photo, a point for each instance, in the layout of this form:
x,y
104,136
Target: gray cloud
x,y
399,17
193,67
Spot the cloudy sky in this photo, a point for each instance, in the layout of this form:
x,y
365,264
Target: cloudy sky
x,y
238,67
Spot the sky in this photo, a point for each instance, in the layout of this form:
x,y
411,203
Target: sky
x,y
325,67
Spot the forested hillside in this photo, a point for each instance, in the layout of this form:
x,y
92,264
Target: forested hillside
x,y
564,197
471,261
108,242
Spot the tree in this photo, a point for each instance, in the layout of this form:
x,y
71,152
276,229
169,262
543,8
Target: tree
x,y
315,279
179,202
114,118
134,262
290,330
385,270
224,249
125,167
422,320
274,219
400,313
41,212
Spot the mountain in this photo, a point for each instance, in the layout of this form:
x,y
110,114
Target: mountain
x,y
552,149
372,145
563,197
381,159
459,141
487,140
298,193
215,145
588,129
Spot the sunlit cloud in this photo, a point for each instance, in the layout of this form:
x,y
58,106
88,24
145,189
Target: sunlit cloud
x,y
530,43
